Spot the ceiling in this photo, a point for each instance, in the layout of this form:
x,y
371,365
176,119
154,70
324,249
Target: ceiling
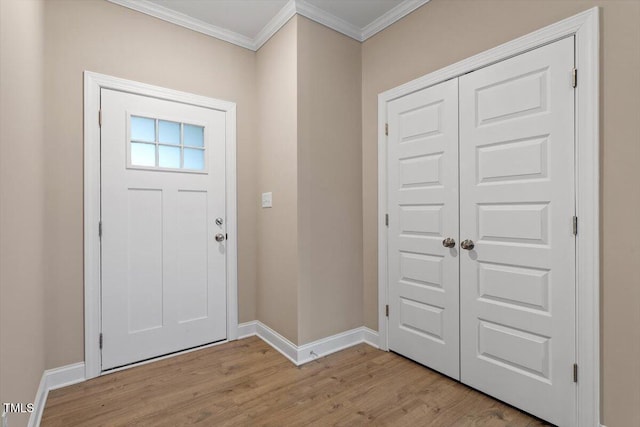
x,y
250,23
246,17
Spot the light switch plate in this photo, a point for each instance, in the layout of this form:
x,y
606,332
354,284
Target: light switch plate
x,y
267,200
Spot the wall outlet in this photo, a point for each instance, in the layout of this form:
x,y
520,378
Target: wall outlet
x,y
267,200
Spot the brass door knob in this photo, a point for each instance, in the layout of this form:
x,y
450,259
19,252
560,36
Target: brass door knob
x,y
467,244
449,242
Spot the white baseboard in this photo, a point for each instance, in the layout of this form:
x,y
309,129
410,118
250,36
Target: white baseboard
x,y
371,337
53,379
64,376
39,402
277,341
328,345
300,355
247,329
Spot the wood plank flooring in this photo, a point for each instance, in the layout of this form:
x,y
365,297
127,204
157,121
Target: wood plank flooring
x,y
248,383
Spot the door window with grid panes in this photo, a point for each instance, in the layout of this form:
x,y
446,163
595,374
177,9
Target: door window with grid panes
x,y
166,145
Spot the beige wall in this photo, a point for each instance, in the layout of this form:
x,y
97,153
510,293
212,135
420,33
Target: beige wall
x,y
309,279
99,36
443,32
22,355
277,232
329,182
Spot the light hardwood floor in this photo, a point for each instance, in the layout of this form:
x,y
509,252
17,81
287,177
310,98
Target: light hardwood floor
x,y
248,383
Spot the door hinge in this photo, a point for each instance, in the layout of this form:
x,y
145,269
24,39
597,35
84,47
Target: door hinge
x,y
575,372
386,219
386,129
574,77
386,310
99,118
575,225
99,228
100,340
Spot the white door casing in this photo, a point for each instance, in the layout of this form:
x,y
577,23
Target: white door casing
x,y
163,273
423,211
517,202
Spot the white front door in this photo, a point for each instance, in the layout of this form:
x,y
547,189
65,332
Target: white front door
x,y
517,203
162,190
423,211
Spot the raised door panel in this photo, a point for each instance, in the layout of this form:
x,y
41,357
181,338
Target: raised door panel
x,y
192,255
145,308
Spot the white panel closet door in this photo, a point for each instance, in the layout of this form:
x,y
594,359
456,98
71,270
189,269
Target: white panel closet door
x,y
423,211
517,203
163,185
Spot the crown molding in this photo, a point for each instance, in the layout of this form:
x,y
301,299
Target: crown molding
x,y
320,16
291,8
395,14
282,17
186,21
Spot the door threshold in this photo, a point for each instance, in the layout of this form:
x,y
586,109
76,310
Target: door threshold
x,y
164,356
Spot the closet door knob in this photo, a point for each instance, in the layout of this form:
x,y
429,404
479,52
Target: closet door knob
x,y
467,244
449,242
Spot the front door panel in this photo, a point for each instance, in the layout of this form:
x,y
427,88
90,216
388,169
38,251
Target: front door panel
x,y
163,186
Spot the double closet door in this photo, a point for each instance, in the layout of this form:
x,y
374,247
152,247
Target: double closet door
x,y
481,246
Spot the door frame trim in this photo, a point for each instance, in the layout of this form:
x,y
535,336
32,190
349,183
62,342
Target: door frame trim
x,y
585,27
93,83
